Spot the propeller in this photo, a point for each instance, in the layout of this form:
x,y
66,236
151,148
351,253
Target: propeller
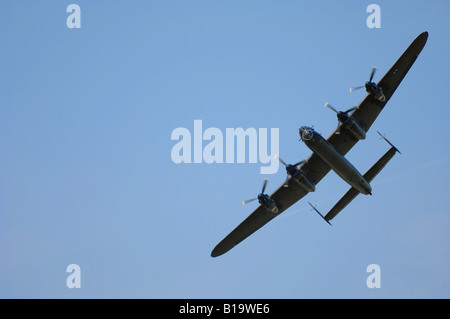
x,y
264,185
342,116
370,80
328,105
290,169
262,193
244,202
374,68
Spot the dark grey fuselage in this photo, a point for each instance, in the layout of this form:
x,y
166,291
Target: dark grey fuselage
x,y
338,163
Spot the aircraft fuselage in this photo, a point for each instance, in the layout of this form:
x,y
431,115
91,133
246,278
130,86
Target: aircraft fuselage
x,y
338,163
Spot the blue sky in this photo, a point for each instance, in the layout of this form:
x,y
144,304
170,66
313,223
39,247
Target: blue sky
x,y
86,175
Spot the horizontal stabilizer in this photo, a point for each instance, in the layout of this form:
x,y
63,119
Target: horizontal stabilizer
x,y
368,176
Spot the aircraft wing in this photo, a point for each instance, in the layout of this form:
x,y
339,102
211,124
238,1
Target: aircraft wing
x,y
314,167
283,196
368,110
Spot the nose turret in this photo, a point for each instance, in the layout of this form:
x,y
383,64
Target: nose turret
x,y
306,133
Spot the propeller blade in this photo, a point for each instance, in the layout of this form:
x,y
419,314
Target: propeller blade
x,y
286,182
349,110
328,105
281,161
297,164
248,201
372,73
264,185
356,88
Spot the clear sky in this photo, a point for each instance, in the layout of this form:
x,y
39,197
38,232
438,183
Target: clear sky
x,y
87,177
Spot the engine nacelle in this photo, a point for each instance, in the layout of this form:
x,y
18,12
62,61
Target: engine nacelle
x,y
375,90
354,128
304,182
271,207
268,203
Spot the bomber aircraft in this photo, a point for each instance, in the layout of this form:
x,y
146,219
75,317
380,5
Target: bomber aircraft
x,y
329,154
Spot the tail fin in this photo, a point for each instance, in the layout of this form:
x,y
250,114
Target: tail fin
x,y
384,138
319,213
